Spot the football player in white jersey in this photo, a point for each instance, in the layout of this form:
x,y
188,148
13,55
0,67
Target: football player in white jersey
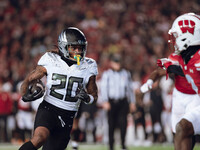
x,y
71,78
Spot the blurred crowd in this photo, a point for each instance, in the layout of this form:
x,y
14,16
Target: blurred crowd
x,y
136,29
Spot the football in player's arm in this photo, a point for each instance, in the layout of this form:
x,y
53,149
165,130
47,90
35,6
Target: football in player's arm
x,y
71,78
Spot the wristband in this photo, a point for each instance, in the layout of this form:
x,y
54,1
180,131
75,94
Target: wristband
x,y
146,86
91,99
150,82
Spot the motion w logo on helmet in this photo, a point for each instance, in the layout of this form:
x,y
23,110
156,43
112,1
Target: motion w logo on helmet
x,y
187,25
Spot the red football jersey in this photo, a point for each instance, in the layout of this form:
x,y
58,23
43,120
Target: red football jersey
x,y
181,83
6,103
192,71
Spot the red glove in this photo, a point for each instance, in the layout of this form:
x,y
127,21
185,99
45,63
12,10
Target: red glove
x,y
164,63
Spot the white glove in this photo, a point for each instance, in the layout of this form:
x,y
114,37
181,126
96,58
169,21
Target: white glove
x,y
146,86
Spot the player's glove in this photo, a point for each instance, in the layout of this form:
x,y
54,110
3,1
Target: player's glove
x,y
146,86
164,63
83,96
35,91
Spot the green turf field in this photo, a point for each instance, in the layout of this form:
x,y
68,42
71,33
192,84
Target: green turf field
x,y
103,147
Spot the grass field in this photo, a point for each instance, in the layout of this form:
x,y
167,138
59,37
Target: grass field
x,y
104,147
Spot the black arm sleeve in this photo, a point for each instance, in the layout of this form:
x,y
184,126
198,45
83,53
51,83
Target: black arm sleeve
x,y
176,70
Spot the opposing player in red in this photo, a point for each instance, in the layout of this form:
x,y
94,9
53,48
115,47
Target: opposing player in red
x,y
183,94
185,39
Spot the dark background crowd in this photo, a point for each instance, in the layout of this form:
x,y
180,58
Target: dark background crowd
x,y
136,29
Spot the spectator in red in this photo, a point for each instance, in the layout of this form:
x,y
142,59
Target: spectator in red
x,y
5,111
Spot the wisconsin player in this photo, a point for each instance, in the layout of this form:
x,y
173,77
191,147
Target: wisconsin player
x,y
185,38
71,78
183,96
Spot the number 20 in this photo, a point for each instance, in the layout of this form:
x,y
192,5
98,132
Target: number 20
x,y
62,85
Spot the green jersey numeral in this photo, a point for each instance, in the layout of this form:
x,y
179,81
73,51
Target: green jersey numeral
x,y
62,85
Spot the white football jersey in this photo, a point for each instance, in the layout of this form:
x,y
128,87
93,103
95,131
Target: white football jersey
x,y
63,80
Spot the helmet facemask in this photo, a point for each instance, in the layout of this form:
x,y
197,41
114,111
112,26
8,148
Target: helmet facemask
x,y
74,54
172,42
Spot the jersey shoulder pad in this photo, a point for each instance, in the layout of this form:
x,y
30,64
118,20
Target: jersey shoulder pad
x,y
91,65
89,60
48,58
174,57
